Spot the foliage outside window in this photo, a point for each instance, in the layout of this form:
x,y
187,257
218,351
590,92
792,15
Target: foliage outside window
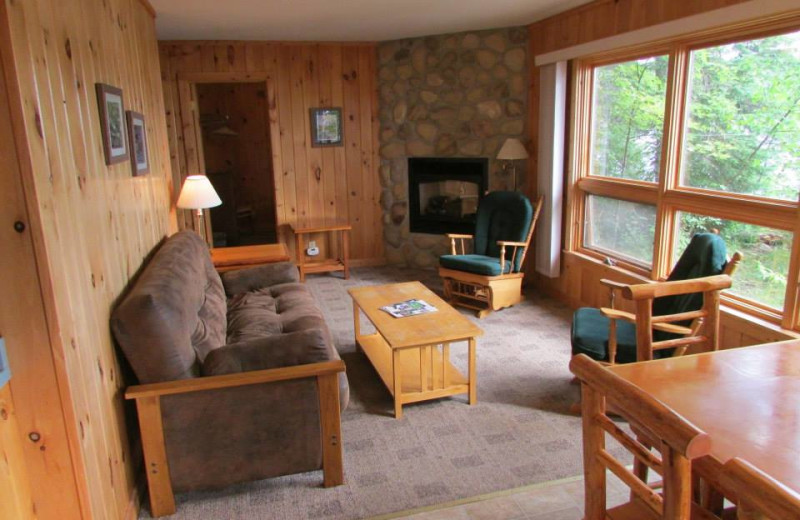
x,y
621,227
657,162
628,118
743,131
762,276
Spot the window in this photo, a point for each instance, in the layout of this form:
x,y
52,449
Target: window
x,y
628,118
694,136
620,227
744,118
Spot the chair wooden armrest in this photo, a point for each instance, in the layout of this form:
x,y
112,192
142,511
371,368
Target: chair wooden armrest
x,y
148,406
611,284
199,384
648,291
457,235
507,243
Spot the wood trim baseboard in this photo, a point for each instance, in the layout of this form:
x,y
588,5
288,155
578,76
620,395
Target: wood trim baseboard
x,y
367,262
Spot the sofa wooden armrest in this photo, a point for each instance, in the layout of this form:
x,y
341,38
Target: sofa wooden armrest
x,y
148,405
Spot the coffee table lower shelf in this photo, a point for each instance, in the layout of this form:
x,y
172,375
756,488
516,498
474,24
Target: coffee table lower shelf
x,y
414,374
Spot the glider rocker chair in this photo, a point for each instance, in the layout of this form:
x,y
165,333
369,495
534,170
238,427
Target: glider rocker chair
x,y
670,315
490,278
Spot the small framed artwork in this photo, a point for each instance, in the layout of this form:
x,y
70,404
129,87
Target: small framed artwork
x,y
326,127
112,123
138,140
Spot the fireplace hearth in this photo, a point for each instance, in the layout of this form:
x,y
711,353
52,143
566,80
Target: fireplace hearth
x,y
444,193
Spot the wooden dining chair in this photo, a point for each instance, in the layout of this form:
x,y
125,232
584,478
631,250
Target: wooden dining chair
x,y
678,443
670,316
758,496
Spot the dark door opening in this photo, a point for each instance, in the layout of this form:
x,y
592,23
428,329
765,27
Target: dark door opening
x,y
238,160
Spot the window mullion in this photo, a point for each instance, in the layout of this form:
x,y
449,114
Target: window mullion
x,y
677,75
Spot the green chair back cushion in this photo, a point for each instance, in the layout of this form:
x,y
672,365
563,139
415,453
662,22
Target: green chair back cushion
x,y
502,215
706,255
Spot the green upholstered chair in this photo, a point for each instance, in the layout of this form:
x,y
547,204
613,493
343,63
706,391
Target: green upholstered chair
x,y
490,278
691,292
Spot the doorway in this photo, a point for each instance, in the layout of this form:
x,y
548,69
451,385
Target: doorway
x,y
235,130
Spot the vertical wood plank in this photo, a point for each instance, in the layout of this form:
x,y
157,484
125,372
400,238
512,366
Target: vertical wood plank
x,y
162,500
352,136
330,419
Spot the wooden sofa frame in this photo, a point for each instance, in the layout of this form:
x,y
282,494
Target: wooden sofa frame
x,y
148,405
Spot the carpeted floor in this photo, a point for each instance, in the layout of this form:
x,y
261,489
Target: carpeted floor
x,y
519,433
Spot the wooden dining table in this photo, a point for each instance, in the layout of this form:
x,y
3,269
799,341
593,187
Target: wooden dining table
x,y
746,399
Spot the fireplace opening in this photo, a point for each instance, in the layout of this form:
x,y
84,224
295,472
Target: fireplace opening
x,y
444,193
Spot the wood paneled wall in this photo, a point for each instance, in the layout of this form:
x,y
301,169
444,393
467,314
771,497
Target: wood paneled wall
x,y
88,229
311,184
579,283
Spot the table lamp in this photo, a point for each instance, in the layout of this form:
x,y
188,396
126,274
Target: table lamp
x,y
512,150
197,193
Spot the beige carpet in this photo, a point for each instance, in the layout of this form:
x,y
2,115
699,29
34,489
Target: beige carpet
x,y
518,434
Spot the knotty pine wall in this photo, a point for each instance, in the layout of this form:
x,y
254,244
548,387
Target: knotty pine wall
x,y
91,226
311,184
579,283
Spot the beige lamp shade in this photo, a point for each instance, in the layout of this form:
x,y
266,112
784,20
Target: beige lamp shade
x,y
512,150
198,193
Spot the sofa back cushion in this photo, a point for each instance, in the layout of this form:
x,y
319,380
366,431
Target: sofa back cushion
x,y
174,314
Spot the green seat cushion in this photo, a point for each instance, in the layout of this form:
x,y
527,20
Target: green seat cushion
x,y
478,264
590,336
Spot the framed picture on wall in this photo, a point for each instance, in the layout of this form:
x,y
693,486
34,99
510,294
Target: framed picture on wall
x,y
140,163
112,123
326,127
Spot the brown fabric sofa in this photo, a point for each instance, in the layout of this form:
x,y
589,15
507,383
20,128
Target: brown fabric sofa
x,y
239,376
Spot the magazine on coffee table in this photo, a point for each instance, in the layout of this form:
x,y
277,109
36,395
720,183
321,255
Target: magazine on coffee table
x,y
409,308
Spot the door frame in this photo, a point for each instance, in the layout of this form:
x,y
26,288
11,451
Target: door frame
x,y
189,112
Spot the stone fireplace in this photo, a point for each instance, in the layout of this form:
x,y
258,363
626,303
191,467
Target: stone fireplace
x,y
444,192
455,97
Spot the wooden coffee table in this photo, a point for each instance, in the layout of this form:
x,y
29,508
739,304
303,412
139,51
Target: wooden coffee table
x,y
412,354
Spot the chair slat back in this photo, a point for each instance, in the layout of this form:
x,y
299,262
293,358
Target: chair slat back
x,y
678,442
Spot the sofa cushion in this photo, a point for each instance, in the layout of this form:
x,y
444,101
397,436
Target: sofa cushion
x,y
278,309
254,278
274,351
174,314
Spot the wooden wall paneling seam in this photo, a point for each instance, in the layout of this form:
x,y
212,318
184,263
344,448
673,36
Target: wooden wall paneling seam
x,y
369,173
286,131
270,66
340,152
299,132
314,172
352,137
328,153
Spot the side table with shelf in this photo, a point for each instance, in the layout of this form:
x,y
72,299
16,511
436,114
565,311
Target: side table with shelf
x,y
327,265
